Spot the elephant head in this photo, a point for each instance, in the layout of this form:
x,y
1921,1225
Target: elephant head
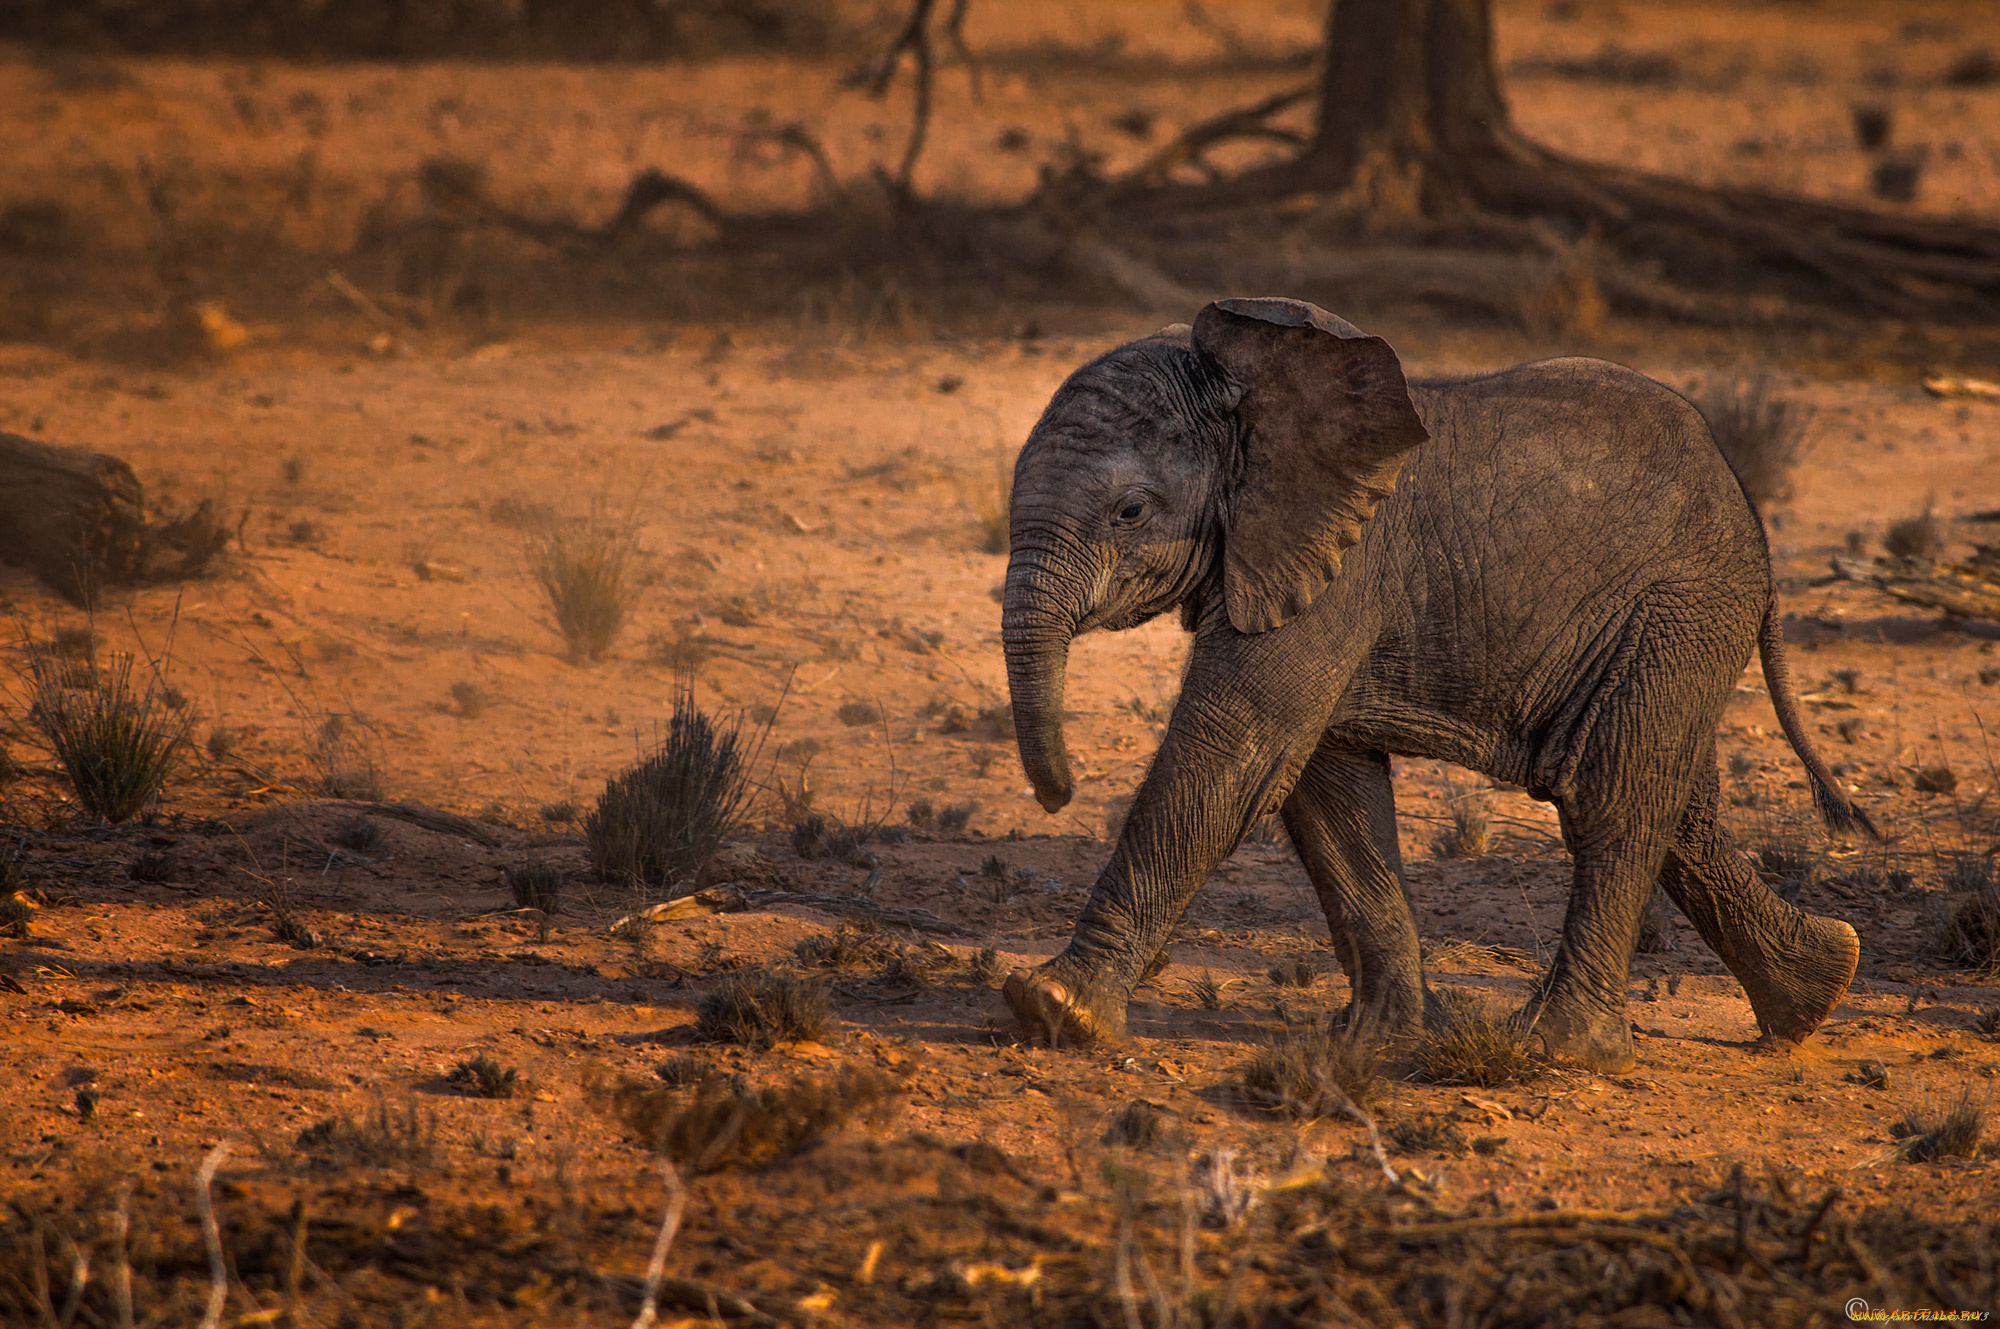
x,y
1243,454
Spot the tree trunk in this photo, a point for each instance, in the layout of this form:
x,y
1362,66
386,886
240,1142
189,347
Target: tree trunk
x,y
1408,89
77,520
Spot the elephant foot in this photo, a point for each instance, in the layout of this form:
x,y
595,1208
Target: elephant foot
x,y
1591,1036
1059,1014
1798,981
1388,1018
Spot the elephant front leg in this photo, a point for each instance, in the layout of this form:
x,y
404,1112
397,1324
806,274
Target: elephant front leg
x,y
1193,809
1342,820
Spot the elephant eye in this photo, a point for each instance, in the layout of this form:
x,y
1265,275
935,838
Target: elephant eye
x,y
1131,512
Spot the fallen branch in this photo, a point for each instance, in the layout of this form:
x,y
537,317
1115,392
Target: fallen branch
x,y
1970,589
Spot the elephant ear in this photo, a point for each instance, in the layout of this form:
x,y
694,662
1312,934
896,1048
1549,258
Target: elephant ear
x,y
1327,420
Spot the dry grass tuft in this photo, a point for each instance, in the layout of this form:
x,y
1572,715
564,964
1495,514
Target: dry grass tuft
x,y
1759,432
343,759
383,1138
1964,929
1469,806
847,947
483,1077
1292,974
1429,1135
1306,1072
718,1122
536,884
1137,1125
1956,1131
761,1008
1921,536
585,569
658,822
468,700
152,868
984,966
1206,989
117,740
1474,1043
1987,1022
361,835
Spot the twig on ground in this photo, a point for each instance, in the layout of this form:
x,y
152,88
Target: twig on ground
x,y
670,1223
218,1271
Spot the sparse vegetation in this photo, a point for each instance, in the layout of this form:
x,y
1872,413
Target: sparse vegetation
x,y
152,867
1964,928
536,884
847,947
1429,1134
1473,1043
1935,780
483,1077
343,759
1759,432
718,1122
658,822
115,737
761,1008
382,1138
984,966
1955,1130
362,835
1137,1125
1921,536
1206,989
1292,974
1311,1072
468,700
857,713
1987,1022
585,570
1468,805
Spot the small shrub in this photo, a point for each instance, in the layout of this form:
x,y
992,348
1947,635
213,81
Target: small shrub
x,y
585,571
1759,432
1429,1135
1935,780
913,966
116,740
724,1123
221,743
1468,806
536,884
1987,1022
152,868
922,815
1206,989
1306,1071
1976,68
955,818
1921,536
361,835
468,700
1964,929
684,1072
857,713
659,821
383,1138
275,894
343,760
1955,1131
561,813
985,966
1137,1125
1895,179
760,1008
1475,1044
1292,974
483,1077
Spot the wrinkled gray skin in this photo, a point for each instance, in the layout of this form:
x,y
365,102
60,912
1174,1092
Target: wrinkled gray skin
x,y
1560,588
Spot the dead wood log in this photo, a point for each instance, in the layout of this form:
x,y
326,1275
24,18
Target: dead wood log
x,y
1964,590
74,519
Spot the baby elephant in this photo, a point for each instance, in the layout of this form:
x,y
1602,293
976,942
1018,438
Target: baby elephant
x,y
1547,574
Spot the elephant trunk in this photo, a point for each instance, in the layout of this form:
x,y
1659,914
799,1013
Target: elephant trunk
x,y
1036,625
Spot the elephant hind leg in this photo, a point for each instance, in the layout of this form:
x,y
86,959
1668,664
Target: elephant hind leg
x,y
1341,816
1794,966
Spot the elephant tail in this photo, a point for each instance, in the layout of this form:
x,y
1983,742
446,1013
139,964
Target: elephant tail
x,y
1835,808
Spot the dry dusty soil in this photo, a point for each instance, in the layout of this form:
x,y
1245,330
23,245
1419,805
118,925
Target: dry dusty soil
x,y
292,954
